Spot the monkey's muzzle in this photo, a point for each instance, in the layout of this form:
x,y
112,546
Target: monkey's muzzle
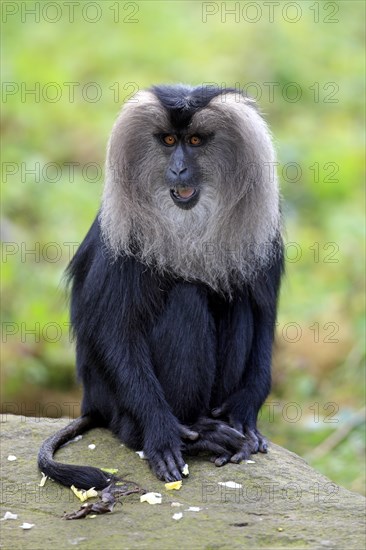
x,y
184,197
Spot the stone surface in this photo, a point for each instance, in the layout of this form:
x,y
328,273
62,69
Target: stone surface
x,y
283,503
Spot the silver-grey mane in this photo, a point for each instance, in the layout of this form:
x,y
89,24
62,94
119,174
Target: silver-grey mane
x,y
228,236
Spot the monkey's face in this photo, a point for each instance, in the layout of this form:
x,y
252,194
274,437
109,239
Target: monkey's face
x,y
176,160
183,174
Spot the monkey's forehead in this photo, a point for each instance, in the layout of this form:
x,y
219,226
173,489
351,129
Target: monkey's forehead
x,y
181,107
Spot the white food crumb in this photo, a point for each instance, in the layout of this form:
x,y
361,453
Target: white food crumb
x,y
141,455
9,515
193,509
250,461
91,446
151,498
43,480
177,516
176,504
11,458
27,525
230,484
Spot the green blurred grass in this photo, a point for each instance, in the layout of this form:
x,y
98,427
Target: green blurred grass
x,y
171,43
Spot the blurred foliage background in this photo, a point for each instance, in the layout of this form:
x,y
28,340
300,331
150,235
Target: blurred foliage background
x,y
65,73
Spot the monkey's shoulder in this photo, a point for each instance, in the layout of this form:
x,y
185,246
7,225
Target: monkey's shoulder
x,y
107,282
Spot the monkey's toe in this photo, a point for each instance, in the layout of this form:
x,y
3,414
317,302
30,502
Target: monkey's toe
x,y
254,442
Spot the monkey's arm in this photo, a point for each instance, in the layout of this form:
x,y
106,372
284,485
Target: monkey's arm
x,y
242,407
112,305
140,394
120,384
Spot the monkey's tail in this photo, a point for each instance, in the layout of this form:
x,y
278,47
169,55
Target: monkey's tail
x,y
83,477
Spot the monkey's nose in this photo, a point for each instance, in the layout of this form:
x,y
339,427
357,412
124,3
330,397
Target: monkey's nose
x,y
178,170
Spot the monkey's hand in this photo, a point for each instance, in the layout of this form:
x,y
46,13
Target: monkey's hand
x,y
217,438
163,449
254,441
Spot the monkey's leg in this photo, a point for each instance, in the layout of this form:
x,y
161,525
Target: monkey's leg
x,y
242,407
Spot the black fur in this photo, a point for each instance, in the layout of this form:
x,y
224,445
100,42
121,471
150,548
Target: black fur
x,y
182,102
155,351
168,365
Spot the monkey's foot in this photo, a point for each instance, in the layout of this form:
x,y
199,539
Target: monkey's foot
x,y
215,437
254,442
166,464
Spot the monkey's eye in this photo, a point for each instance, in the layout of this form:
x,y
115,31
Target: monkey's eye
x,y
169,140
195,141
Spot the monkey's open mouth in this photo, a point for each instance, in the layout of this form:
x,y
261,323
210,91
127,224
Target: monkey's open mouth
x,y
185,197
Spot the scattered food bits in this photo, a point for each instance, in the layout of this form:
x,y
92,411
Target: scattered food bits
x,y
151,498
193,509
280,529
185,470
82,494
11,458
27,525
91,446
177,516
173,485
176,504
9,515
250,461
230,484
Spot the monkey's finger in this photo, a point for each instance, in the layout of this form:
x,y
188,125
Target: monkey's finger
x,y
236,425
158,464
262,442
187,433
219,432
235,430
263,446
221,460
205,445
160,469
179,461
172,466
238,457
250,446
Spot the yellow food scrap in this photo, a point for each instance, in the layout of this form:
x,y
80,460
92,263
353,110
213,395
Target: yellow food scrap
x,y
110,470
82,494
151,498
173,485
